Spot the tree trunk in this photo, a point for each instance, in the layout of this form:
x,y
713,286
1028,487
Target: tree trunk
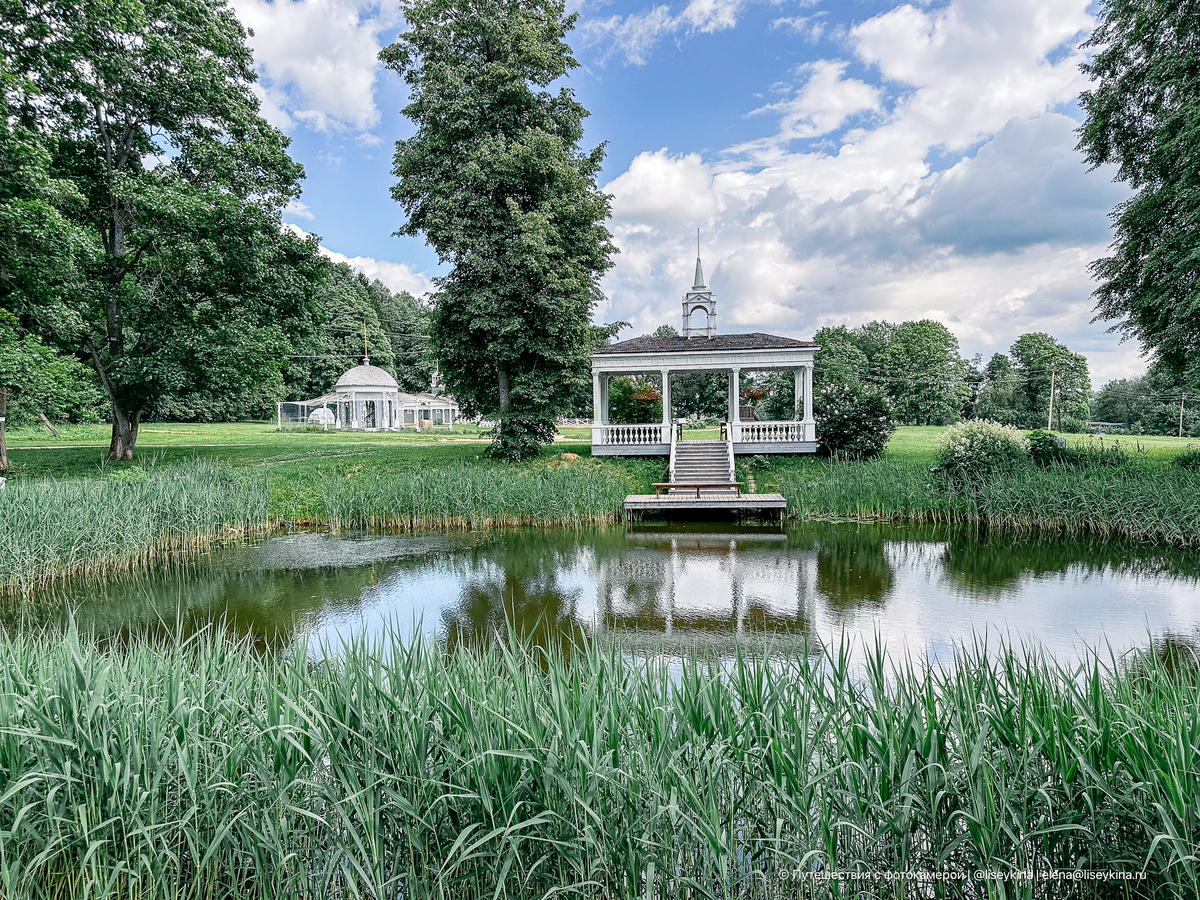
x,y
124,433
3,413
505,385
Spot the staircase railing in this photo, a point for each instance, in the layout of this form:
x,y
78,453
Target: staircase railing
x,y
674,444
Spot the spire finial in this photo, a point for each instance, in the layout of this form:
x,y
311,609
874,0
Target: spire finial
x,y
366,356
699,285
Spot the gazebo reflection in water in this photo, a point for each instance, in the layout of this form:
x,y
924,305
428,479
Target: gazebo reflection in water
x,y
678,588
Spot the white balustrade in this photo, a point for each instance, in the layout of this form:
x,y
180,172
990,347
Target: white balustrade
x,y
771,432
617,435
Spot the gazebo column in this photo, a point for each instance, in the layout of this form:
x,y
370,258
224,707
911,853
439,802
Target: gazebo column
x,y
799,393
810,430
604,380
735,398
666,403
597,399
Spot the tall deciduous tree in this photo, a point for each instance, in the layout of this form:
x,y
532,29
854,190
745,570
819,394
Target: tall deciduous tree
x,y
1143,114
147,110
923,372
998,396
840,359
1040,362
496,182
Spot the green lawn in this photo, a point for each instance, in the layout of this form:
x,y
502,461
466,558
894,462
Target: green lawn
x,y
919,443
81,449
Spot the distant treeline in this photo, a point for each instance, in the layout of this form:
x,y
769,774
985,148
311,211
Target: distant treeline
x,y
322,348
316,351
1153,403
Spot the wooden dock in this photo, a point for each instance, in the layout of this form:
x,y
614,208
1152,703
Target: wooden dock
x,y
702,481
689,503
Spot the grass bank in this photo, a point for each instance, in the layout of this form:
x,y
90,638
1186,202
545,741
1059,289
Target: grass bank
x,y
68,512
1139,502
204,770
128,518
134,519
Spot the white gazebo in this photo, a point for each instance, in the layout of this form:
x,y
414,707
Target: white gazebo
x,y
701,349
367,398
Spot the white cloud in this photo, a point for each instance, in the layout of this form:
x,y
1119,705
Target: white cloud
x,y
824,104
860,225
396,276
298,210
659,188
317,59
636,35
811,28
707,16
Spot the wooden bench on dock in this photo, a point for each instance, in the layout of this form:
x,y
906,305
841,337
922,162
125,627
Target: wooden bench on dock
x,y
698,486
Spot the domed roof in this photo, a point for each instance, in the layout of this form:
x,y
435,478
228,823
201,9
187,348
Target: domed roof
x,y
367,375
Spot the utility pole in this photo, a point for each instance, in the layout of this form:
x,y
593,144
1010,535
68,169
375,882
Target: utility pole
x,y
1181,397
1050,415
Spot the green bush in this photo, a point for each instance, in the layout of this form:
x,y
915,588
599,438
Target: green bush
x,y
980,447
853,421
1047,449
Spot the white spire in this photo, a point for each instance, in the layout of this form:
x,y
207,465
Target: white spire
x,y
699,285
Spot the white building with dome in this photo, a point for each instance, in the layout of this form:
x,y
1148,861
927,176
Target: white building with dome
x,y
366,398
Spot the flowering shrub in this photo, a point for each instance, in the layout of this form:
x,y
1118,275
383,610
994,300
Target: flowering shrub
x,y
633,400
853,421
981,447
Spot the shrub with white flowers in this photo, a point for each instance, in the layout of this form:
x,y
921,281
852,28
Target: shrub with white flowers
x,y
853,421
981,447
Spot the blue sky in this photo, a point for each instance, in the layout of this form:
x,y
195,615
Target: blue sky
x,y
845,161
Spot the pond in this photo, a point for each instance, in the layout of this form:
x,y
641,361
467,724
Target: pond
x,y
922,589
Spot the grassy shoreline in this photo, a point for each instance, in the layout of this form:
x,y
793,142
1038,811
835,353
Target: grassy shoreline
x,y
65,514
205,770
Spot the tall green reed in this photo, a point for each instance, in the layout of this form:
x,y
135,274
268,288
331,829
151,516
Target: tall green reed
x,y
1131,502
475,495
50,529
200,769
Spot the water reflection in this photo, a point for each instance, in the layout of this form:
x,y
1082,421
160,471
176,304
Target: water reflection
x,y
853,568
520,583
925,587
702,584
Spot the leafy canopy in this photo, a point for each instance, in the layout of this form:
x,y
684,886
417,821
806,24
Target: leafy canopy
x,y
495,180
162,190
1143,114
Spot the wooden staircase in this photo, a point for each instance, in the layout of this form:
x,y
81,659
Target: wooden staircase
x,y
702,483
703,462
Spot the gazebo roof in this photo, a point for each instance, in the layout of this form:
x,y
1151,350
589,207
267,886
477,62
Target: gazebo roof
x,y
755,340
366,375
